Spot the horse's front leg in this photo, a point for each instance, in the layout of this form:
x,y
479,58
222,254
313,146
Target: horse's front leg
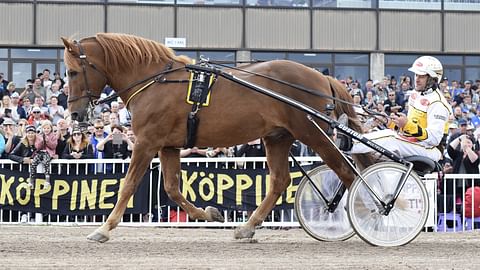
x,y
141,158
170,160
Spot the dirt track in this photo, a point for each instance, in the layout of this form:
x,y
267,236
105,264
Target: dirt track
x,y
48,247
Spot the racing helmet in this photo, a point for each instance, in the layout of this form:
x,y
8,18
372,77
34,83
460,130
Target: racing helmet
x,y
428,65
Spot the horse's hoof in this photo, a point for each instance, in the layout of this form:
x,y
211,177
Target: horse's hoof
x,y
242,232
99,236
214,214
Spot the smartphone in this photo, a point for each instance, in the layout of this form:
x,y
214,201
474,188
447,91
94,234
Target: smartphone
x,y
8,111
117,138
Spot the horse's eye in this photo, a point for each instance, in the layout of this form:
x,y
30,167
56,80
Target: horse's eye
x,y
72,73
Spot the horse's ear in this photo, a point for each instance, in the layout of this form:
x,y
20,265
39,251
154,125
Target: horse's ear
x,y
68,44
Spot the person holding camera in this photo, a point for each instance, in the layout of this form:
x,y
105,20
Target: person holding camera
x,y
30,92
116,144
8,110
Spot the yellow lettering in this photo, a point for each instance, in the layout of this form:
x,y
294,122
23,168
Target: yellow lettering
x,y
73,200
25,200
130,201
211,188
39,191
224,182
104,194
60,188
5,191
187,185
87,194
243,182
258,190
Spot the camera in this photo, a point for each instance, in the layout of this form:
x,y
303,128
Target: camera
x,y
117,138
117,155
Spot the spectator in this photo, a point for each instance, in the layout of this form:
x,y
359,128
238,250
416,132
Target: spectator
x,y
98,136
116,144
78,146
53,91
40,102
463,154
10,89
54,110
46,145
123,114
391,105
63,135
33,90
58,79
25,150
63,96
3,83
16,106
113,121
36,117
46,81
476,118
132,138
253,148
27,106
10,136
7,109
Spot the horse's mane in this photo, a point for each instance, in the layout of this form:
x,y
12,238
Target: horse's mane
x,y
122,50
341,107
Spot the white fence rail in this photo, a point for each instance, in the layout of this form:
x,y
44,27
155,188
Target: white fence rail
x,y
447,211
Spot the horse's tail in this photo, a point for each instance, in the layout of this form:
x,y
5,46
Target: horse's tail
x,y
341,93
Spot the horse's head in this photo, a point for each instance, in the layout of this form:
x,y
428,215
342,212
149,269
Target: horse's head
x,y
86,75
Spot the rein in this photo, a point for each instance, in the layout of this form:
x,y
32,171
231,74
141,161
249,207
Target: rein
x,y
299,87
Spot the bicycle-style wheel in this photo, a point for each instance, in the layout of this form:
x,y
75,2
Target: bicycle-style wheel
x,y
406,219
311,209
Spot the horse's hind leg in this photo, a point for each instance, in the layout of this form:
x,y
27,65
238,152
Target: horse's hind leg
x,y
139,163
170,160
277,148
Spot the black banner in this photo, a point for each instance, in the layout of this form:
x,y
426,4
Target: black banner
x,y
233,189
68,194
96,194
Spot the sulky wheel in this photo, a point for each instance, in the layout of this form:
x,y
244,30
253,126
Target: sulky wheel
x,y
312,211
408,215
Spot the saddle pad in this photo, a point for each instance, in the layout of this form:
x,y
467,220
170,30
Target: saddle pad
x,y
198,92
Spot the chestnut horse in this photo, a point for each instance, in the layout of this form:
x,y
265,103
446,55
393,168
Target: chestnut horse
x,y
235,115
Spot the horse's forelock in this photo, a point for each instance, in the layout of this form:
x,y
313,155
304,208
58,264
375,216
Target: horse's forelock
x,y
121,51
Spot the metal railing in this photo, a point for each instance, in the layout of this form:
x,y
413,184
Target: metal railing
x,y
447,209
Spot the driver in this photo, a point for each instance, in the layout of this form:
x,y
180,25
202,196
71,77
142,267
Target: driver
x,y
426,125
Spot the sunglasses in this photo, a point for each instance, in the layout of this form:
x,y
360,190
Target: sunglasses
x,y
98,127
36,112
77,134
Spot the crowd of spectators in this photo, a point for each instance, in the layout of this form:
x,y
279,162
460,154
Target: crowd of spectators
x,y
36,127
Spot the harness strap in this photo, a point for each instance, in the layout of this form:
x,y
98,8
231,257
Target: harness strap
x,y
138,91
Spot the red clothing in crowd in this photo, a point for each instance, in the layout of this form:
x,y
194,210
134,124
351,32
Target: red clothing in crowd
x,y
476,202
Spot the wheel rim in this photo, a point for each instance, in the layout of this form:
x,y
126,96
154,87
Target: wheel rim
x,y
405,220
312,211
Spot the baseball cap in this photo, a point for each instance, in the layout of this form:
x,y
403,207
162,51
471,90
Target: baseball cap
x,y
15,95
467,81
461,122
36,109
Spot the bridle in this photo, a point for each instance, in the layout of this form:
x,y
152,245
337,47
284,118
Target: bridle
x,y
92,98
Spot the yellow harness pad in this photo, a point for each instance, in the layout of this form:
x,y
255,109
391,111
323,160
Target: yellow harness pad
x,y
192,84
